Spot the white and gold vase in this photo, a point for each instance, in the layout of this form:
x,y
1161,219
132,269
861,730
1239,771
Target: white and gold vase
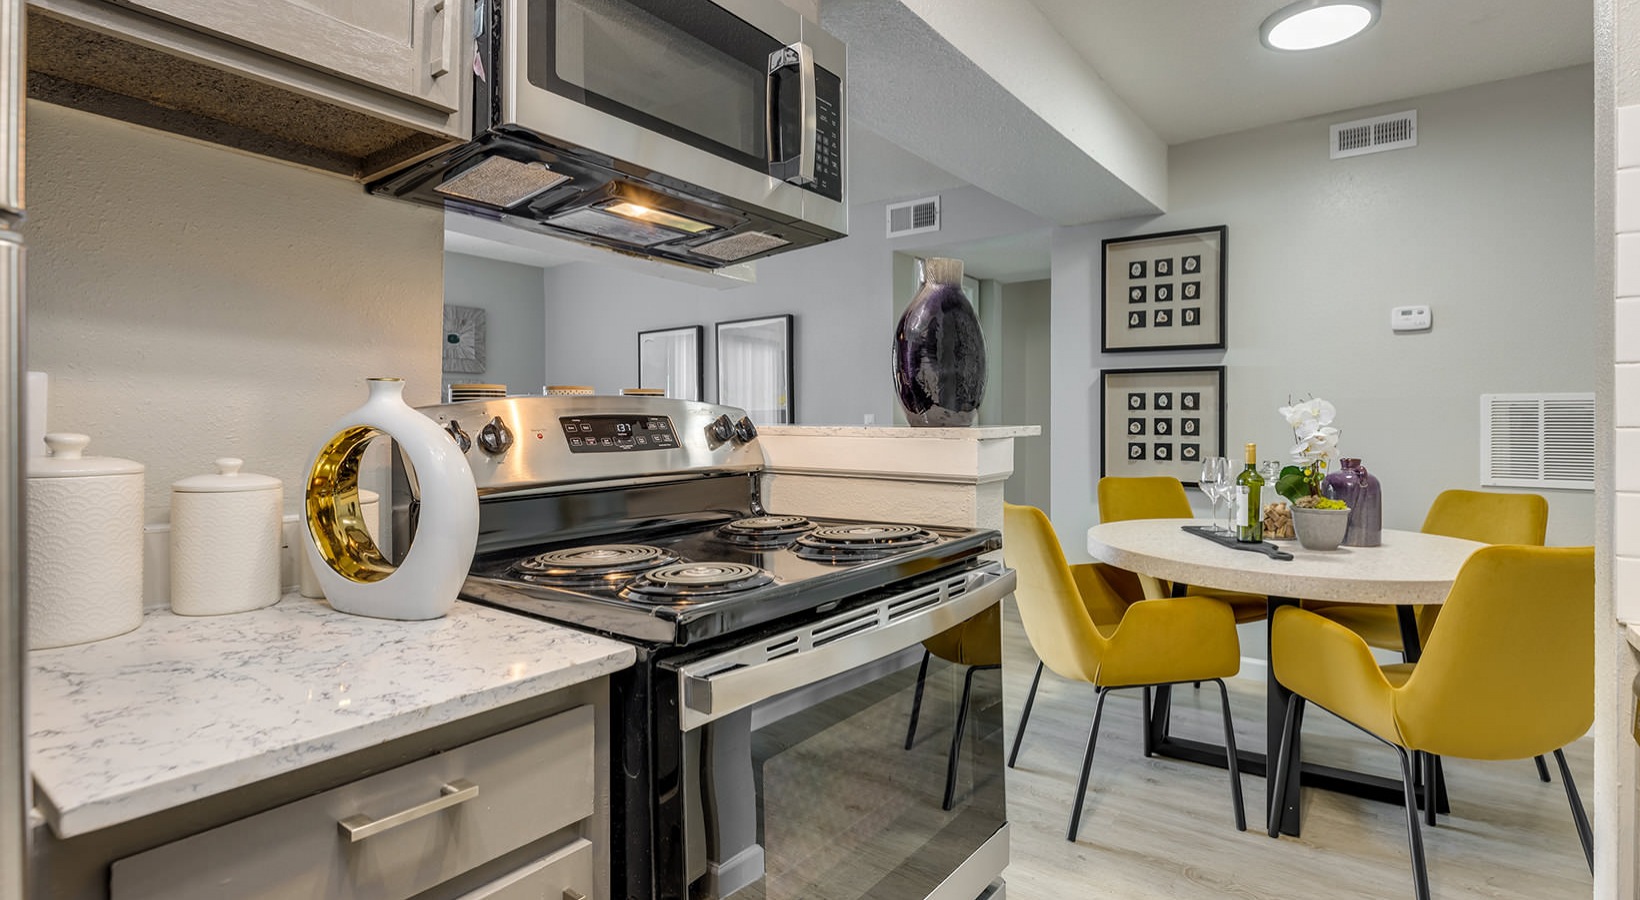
x,y
355,576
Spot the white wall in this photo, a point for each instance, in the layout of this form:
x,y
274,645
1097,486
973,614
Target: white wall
x,y
1026,395
1488,220
841,294
191,302
515,319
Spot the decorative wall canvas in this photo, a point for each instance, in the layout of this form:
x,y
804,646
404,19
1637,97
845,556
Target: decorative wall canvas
x,y
1160,421
464,339
755,370
670,359
1164,291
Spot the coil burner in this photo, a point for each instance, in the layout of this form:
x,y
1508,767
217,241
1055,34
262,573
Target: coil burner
x,y
850,543
595,562
689,580
764,532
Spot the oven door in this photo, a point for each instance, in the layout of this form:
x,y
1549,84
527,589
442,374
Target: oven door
x,y
742,97
797,777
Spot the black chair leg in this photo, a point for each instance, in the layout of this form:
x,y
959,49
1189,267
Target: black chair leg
x,y
1087,763
1543,769
1584,832
1415,836
1149,742
956,734
1430,782
916,701
1234,763
1285,762
1024,716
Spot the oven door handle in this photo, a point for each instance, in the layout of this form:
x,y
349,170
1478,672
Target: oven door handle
x,y
719,685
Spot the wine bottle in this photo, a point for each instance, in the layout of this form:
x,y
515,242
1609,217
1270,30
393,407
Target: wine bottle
x,y
1249,503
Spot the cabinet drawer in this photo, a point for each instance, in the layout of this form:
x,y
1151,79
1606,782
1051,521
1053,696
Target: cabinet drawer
x,y
565,875
412,827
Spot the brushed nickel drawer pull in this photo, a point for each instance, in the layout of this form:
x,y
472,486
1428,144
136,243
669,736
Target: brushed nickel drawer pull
x,y
573,894
362,826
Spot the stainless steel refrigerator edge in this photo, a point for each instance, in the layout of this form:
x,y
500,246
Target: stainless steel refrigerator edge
x,y
14,788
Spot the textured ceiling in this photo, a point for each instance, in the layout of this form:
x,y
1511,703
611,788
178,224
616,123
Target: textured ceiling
x,y
1194,68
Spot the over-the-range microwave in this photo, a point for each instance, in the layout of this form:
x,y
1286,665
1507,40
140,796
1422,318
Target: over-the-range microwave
x,y
705,132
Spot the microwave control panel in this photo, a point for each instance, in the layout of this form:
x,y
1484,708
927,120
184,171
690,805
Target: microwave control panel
x,y
615,434
828,140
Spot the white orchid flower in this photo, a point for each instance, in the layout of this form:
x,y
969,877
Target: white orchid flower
x,y
1308,416
1318,445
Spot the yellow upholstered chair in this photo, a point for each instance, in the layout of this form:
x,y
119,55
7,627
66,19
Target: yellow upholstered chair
x,y
1508,673
1491,518
1160,497
975,643
1154,642
1472,515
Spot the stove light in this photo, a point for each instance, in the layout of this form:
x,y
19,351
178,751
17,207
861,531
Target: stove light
x,y
658,217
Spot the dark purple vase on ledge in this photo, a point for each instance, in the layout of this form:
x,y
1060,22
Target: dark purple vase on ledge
x,y
1359,490
939,351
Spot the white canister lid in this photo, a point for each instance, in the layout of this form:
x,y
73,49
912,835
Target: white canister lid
x,y
68,460
228,479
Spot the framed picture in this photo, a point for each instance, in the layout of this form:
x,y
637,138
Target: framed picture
x,y
1163,291
670,359
755,370
464,339
1160,421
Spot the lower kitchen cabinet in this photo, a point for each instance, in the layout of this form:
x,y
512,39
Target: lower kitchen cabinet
x,y
512,805
390,836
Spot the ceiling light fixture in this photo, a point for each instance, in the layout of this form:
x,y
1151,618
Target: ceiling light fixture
x,y
1309,24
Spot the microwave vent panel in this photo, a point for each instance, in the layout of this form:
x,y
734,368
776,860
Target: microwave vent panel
x,y
1538,441
739,246
913,217
1375,135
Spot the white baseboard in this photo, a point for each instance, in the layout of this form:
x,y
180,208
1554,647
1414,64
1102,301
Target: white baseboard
x,y
1254,669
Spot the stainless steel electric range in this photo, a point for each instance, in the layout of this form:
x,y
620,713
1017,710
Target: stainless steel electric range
x,y
759,747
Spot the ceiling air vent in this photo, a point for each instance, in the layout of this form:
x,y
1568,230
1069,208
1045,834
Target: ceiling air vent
x,y
1538,441
913,217
1375,135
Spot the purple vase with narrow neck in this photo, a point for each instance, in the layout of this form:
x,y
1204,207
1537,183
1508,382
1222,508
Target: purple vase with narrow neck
x,y
939,352
1354,485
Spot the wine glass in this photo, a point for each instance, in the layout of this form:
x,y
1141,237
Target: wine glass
x,y
1227,492
1212,484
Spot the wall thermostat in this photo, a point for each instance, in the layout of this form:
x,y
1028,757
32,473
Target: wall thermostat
x,y
1409,318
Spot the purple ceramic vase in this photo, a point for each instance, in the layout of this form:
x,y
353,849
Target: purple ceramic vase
x,y
939,351
1354,485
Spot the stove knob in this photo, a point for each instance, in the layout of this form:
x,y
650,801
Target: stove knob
x,y
462,439
745,431
495,437
720,430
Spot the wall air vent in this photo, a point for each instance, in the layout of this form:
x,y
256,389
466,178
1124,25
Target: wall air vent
x,y
913,217
1538,441
1375,135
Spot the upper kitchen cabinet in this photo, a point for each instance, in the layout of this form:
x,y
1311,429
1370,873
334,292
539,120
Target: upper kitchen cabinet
x,y
348,86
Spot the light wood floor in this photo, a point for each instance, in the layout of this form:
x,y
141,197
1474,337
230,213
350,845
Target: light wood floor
x,y
1158,828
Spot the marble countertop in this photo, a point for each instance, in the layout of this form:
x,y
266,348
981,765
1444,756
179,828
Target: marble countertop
x,y
183,708
977,433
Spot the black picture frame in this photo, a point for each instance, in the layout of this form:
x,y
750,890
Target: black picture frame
x,y
767,400
1199,255
689,340
1184,447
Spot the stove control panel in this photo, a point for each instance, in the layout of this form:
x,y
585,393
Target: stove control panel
x,y
614,434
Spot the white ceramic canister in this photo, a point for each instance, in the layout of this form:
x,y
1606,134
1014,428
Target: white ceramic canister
x,y
84,545
352,571
225,537
370,506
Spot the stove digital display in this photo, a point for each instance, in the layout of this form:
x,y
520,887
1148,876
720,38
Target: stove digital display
x,y
614,434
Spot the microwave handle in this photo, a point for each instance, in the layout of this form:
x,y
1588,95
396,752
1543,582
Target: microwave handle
x,y
800,55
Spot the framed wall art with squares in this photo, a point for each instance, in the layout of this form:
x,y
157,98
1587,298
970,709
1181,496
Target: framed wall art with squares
x,y
1160,421
1163,291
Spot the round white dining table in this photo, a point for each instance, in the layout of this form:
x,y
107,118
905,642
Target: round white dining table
x,y
1408,568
